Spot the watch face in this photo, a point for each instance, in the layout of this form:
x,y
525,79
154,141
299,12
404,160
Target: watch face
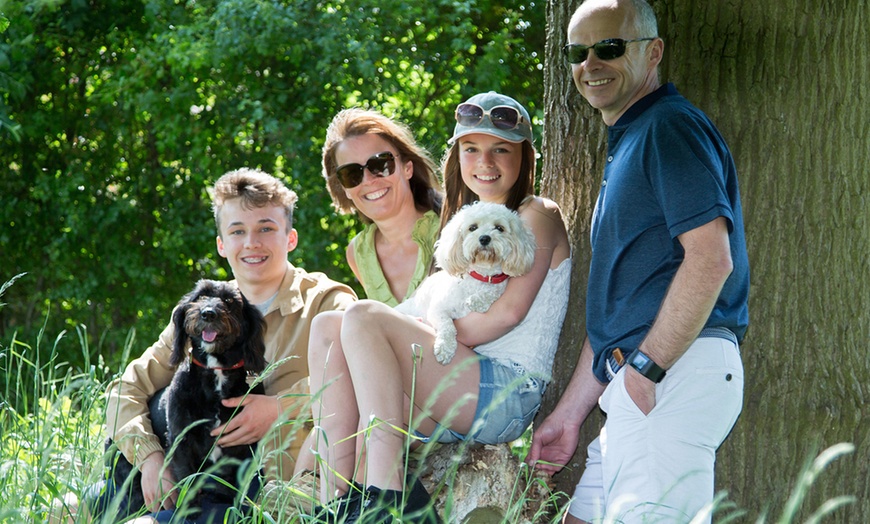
x,y
640,360
646,366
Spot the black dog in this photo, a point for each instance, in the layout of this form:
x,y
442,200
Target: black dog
x,y
226,342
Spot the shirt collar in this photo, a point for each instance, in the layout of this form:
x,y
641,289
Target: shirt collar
x,y
644,103
289,296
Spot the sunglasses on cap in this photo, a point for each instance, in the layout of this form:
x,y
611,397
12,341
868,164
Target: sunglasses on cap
x,y
605,50
380,165
502,117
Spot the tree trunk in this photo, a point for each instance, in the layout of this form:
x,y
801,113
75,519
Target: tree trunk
x,y
573,150
787,85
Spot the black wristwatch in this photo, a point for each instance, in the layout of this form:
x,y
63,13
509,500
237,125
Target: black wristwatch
x,y
644,365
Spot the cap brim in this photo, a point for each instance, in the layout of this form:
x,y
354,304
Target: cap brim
x,y
507,136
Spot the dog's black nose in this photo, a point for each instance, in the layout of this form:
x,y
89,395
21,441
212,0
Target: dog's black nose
x,y
208,314
484,240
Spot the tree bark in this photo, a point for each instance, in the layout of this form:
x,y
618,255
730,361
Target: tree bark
x,y
573,149
787,85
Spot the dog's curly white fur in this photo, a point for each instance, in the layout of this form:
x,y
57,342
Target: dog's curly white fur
x,y
483,238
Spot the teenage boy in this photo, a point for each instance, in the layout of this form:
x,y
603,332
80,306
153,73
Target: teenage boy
x,y
253,213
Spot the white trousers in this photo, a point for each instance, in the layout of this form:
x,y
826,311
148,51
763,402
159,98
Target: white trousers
x,y
659,467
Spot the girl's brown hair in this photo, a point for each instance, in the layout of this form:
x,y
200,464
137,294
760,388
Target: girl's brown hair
x,y
458,194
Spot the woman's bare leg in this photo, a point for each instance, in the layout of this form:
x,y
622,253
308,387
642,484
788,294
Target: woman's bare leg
x,y
378,345
333,392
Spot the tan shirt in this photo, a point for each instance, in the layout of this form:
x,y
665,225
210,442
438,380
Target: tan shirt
x,y
302,296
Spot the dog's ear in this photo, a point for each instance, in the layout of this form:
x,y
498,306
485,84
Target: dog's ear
x,y
179,347
179,316
449,254
521,255
253,343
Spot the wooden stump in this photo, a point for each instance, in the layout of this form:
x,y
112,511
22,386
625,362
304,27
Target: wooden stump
x,y
485,484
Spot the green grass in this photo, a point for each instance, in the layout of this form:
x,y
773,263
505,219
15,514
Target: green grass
x,y
51,446
52,437
51,421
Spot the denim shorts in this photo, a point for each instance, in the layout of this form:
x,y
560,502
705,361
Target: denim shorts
x,y
507,401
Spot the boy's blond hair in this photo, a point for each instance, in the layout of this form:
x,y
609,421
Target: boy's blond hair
x,y
256,189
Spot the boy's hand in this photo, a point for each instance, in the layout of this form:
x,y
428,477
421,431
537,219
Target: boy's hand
x,y
157,481
249,425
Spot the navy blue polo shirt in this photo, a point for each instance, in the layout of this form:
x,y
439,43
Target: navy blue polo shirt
x,y
668,171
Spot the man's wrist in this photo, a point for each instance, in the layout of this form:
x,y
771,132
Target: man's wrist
x,y
645,365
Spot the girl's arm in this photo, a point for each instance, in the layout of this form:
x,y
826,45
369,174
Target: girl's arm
x,y
511,308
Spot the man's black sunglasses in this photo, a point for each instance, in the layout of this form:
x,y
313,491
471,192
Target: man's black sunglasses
x,y
604,50
380,165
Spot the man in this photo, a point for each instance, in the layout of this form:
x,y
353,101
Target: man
x,y
668,287
254,216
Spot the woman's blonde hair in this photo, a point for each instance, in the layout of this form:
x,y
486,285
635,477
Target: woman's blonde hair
x,y
357,121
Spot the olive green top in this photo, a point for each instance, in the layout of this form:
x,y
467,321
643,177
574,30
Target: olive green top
x,y
374,282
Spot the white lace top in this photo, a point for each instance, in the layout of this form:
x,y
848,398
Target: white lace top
x,y
532,343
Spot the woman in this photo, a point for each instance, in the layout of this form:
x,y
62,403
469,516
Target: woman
x,y
366,363
373,167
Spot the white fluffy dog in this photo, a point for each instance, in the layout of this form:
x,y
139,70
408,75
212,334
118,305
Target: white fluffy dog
x,y
479,248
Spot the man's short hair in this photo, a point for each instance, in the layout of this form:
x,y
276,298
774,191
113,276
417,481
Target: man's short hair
x,y
256,189
645,19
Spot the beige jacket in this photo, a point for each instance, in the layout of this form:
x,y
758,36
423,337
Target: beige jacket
x,y
302,296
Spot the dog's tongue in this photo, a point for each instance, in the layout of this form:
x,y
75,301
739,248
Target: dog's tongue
x,y
209,335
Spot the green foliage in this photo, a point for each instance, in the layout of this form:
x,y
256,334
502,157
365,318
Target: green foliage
x,y
116,115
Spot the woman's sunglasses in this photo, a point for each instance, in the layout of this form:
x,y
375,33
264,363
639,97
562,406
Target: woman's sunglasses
x,y
502,117
380,165
605,50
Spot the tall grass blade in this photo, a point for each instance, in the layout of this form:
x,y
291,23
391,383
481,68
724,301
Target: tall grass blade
x,y
808,476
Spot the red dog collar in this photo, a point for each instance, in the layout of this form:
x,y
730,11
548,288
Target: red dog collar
x,y
494,279
237,365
